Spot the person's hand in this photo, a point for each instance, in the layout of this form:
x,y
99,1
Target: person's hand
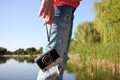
x,y
46,11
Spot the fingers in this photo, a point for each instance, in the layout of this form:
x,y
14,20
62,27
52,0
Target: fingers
x,y
49,18
46,11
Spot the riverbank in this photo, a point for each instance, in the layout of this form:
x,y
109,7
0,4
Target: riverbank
x,y
105,64
18,56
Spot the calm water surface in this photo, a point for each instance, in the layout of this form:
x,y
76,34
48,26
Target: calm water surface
x,y
23,70
26,69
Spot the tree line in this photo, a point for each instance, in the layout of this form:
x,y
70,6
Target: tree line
x,y
21,51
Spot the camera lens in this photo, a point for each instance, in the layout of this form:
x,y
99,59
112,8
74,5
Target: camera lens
x,y
47,59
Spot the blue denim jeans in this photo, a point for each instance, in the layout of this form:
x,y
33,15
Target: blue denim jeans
x,y
61,32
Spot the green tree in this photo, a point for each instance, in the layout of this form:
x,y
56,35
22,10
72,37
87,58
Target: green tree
x,y
39,51
107,20
9,52
85,34
19,51
31,50
3,51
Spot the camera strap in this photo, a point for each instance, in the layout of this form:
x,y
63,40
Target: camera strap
x,y
48,32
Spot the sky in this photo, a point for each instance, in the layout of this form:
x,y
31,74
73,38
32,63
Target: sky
x,y
20,27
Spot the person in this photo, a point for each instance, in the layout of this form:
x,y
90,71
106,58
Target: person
x,y
59,14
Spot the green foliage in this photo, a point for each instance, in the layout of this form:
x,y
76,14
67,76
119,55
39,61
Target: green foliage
x,y
31,50
98,44
39,51
110,52
86,33
102,36
107,20
19,51
3,51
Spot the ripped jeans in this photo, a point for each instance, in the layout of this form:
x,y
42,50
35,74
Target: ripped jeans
x,y
61,32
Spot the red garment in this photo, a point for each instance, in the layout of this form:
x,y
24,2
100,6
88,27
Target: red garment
x,y
73,3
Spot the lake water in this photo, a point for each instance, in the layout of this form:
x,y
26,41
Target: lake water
x,y
12,69
26,69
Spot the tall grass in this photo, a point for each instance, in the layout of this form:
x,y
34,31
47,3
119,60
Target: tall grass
x,y
109,52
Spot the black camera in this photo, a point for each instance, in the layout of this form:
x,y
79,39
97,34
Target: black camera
x,y
48,59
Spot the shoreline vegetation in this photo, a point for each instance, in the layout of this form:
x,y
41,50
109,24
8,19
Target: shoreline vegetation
x,y
20,56
94,69
21,52
76,60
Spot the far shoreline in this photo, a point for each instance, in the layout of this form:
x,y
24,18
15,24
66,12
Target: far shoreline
x,y
18,55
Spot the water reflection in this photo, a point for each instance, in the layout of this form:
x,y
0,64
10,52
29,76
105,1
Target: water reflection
x,y
85,71
94,72
11,69
3,60
23,69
